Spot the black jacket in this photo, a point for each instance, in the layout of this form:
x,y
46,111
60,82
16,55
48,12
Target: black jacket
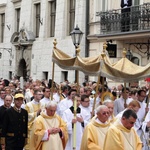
x,y
128,5
14,128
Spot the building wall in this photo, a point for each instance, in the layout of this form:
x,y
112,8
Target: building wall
x,y
96,43
41,53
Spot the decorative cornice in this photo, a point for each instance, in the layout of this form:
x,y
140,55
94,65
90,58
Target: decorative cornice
x,y
15,1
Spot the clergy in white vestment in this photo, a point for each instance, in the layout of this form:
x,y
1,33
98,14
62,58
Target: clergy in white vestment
x,y
46,98
142,111
146,132
85,105
66,103
80,121
119,104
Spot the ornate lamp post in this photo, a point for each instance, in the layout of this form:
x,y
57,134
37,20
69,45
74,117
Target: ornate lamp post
x,y
76,36
129,55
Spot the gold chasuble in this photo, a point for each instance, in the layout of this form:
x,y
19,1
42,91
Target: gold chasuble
x,y
120,138
112,119
94,135
54,141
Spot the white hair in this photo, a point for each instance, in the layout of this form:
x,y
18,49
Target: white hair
x,y
107,101
51,103
99,108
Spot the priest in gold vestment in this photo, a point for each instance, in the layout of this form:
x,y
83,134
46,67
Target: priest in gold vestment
x,y
49,130
94,133
121,135
33,108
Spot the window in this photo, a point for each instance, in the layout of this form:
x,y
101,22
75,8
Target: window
x,y
104,5
45,75
17,19
71,15
2,25
37,19
64,75
136,2
10,75
52,17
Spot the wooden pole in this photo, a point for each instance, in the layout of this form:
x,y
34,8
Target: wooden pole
x,y
53,68
98,81
125,100
74,125
77,71
52,88
147,103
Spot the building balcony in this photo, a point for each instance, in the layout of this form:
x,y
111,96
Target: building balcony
x,y
131,20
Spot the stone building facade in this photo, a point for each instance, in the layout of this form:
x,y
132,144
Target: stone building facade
x,y
28,29
105,25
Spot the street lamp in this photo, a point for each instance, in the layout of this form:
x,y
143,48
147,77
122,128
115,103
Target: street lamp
x,y
76,36
129,55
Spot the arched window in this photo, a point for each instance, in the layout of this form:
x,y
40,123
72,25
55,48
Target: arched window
x,y
135,60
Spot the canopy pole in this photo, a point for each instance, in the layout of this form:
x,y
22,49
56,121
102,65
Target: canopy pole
x,y
147,103
74,125
52,88
77,71
53,68
125,100
98,81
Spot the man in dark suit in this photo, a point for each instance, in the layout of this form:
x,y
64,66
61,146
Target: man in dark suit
x,y
125,15
14,128
7,104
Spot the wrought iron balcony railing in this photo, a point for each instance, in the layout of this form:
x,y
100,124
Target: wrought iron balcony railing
x,y
135,18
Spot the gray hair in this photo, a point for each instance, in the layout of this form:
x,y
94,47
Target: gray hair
x,y
51,104
107,101
99,108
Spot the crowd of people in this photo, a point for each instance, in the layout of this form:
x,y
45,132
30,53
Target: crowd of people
x,y
40,116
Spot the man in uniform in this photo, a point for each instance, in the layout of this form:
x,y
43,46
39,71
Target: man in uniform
x,y
15,124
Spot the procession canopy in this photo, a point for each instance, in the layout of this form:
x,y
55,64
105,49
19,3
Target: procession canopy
x,y
100,65
125,70
88,65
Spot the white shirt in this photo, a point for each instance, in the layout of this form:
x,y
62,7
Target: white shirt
x,y
119,105
45,100
1,102
63,105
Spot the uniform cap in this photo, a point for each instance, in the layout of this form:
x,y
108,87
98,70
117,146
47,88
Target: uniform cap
x,y
19,95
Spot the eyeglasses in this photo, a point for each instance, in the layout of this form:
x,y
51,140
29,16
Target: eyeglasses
x,y
105,113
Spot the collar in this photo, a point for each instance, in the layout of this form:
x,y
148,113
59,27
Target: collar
x,y
98,121
17,109
35,102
